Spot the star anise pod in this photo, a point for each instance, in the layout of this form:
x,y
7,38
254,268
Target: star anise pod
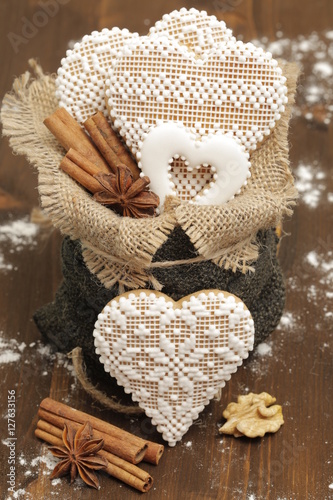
x,y
125,196
79,455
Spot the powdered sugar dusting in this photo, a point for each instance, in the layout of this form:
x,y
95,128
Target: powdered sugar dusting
x,y
19,233
314,53
21,493
264,349
324,267
312,258
10,351
16,235
287,320
310,183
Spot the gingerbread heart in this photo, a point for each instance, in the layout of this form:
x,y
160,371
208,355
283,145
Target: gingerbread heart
x,y
236,89
193,28
81,78
173,356
233,88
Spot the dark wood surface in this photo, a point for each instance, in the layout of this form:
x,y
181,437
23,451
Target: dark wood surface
x,y
295,463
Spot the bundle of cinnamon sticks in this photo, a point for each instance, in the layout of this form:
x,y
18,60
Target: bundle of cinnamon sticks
x,y
121,449
101,151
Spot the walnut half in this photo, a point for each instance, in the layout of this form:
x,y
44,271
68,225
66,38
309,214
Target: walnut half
x,y
252,416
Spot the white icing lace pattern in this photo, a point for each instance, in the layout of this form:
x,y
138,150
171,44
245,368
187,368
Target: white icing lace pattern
x,y
83,72
173,358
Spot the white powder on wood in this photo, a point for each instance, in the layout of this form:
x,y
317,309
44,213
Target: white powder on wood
x,y
287,320
313,259
19,233
264,349
10,350
16,235
309,185
314,53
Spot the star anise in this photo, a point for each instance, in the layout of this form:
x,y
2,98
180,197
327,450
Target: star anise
x,y
79,455
125,196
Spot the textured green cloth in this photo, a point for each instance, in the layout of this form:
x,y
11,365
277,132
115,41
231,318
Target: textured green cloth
x,y
69,321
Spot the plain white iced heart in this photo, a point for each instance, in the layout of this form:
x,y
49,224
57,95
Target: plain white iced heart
x,y
173,356
222,152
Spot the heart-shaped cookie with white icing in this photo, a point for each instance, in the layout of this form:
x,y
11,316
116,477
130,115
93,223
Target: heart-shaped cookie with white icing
x,y
234,88
173,356
82,75
165,141
193,28
189,70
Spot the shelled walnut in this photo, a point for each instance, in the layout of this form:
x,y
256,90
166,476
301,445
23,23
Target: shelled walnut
x,y
252,416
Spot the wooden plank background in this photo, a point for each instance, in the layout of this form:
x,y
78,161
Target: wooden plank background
x,y
295,463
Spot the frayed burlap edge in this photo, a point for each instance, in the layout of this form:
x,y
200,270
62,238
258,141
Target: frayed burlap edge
x,y
120,250
226,234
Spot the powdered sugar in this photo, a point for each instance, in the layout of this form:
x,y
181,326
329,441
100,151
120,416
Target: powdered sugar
x,y
287,320
10,351
312,258
323,69
21,493
314,53
19,233
310,182
264,349
16,235
49,460
324,266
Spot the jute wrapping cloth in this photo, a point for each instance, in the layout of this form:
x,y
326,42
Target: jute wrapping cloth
x,y
68,322
120,250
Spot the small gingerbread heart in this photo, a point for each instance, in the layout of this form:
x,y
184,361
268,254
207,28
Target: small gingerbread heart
x,y
173,356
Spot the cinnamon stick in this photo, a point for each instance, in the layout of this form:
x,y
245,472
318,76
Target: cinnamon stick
x,y
119,462
112,469
123,449
81,176
70,135
110,144
153,453
82,162
62,410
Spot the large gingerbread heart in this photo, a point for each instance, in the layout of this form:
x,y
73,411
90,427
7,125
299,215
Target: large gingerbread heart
x,y
173,356
234,88
82,75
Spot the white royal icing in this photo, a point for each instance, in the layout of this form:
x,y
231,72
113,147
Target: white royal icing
x,y
80,84
173,357
165,141
193,28
238,89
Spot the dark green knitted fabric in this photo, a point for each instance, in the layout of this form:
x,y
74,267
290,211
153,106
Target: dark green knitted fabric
x,y
69,321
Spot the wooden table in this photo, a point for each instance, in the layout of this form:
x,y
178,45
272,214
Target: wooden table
x,y
295,463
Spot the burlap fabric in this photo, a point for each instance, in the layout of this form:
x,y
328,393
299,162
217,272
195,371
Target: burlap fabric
x,y
69,320
120,250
